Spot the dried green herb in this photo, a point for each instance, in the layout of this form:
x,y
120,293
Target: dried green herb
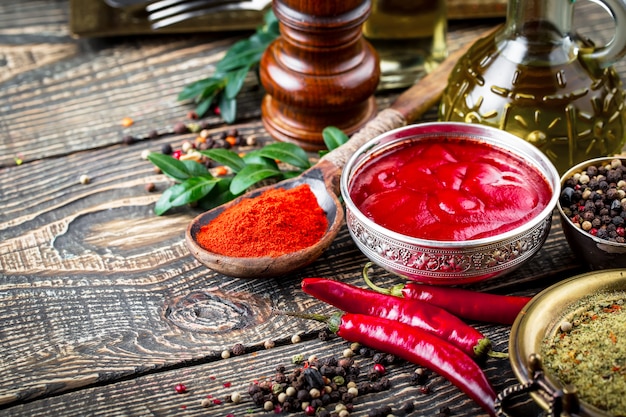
x,y
195,184
589,351
224,85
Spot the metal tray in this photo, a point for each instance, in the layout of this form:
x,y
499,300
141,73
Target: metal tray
x,y
539,320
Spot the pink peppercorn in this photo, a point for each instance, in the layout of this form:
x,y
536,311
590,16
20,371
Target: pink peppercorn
x,y
180,388
379,369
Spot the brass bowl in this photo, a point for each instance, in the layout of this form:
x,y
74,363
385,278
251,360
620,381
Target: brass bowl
x,y
595,252
540,319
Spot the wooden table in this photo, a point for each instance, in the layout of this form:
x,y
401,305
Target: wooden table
x,y
102,308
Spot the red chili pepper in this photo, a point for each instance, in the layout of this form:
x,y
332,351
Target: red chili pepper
x,y
466,304
419,347
428,317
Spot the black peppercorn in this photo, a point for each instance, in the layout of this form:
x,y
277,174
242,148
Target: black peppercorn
x,y
567,196
407,407
444,411
303,395
313,378
166,149
180,128
238,349
378,357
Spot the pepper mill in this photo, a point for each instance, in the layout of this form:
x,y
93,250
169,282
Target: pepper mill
x,y
319,72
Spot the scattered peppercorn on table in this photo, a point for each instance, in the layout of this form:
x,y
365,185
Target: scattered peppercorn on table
x,y
103,311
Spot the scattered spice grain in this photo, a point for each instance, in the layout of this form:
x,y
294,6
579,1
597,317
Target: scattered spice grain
x,y
588,351
276,222
127,122
238,349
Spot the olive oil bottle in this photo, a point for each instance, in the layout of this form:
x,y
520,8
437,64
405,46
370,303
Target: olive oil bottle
x,y
410,38
536,79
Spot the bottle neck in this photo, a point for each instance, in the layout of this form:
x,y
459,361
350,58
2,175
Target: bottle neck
x,y
526,17
538,32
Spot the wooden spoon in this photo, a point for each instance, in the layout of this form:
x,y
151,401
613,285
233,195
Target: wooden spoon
x,y
324,178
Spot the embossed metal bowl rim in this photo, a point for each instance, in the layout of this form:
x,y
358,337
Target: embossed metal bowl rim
x,y
466,131
570,172
473,271
539,318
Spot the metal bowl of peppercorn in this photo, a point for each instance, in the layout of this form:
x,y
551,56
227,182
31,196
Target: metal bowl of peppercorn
x,y
592,208
449,203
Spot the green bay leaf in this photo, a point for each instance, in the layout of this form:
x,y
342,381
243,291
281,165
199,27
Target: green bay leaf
x,y
250,175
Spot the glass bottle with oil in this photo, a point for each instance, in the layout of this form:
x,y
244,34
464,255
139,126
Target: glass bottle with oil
x,y
410,38
536,79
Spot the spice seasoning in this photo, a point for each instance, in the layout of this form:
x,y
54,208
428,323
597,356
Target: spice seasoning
x,y
594,200
321,385
277,222
589,351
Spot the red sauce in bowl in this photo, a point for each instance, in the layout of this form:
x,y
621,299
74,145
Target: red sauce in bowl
x,y
448,189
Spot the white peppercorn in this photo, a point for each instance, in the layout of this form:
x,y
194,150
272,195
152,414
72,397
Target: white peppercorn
x,y
235,397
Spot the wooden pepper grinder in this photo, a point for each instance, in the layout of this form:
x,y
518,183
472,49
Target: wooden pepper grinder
x,y
320,72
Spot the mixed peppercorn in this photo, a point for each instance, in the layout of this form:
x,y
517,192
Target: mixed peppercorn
x,y
189,150
330,386
595,200
416,326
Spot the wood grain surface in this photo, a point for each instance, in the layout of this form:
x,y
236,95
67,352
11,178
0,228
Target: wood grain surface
x,y
102,309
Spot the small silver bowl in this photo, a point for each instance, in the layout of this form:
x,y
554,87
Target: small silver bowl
x,y
448,262
595,252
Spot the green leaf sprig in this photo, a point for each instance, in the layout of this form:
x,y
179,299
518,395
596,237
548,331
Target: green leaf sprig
x,y
230,72
193,183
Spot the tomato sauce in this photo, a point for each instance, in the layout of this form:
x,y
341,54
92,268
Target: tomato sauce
x,y
449,189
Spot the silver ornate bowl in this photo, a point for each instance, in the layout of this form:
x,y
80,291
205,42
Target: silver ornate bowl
x,y
449,262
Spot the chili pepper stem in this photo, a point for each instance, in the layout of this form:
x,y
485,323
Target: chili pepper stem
x,y
484,348
395,290
333,321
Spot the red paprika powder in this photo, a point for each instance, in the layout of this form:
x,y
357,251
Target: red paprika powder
x,y
276,222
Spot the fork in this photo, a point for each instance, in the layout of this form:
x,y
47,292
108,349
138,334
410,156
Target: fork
x,y
152,5
174,5
164,13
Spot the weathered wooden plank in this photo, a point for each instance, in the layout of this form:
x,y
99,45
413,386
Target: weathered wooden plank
x,y
113,289
75,99
103,309
116,294
153,393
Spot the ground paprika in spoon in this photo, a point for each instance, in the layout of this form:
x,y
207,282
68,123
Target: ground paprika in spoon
x,y
277,222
